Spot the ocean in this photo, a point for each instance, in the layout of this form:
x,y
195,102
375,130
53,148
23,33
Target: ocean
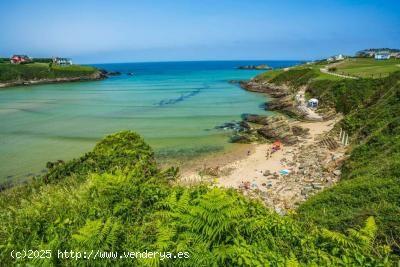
x,y
175,106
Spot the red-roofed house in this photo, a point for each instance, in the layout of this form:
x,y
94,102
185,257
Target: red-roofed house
x,y
18,59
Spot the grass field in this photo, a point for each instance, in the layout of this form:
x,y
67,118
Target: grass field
x,y
356,67
368,67
318,75
35,71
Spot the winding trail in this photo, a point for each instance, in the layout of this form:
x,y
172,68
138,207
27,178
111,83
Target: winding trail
x,y
326,71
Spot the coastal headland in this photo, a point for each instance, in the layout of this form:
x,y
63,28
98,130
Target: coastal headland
x,y
43,73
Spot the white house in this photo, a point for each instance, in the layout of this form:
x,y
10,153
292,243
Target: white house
x,y
395,55
312,103
336,58
62,61
382,56
339,57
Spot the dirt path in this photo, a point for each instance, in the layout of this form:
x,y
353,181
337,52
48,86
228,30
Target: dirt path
x,y
326,71
301,105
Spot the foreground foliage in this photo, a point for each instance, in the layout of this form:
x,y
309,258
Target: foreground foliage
x,y
116,199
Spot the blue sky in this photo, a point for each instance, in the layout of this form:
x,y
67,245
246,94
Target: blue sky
x,y
130,31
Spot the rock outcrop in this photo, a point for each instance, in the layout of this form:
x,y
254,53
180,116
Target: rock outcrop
x,y
98,75
265,87
278,128
254,118
272,128
255,67
281,96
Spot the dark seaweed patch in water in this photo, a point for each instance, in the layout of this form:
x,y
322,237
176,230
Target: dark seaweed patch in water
x,y
263,106
183,97
231,126
55,137
186,153
28,110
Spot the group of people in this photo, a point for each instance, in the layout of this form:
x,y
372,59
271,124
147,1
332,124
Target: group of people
x,y
276,146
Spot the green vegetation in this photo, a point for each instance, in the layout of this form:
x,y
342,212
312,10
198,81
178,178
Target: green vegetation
x,y
371,176
356,67
116,199
304,72
346,95
35,71
42,60
268,75
368,67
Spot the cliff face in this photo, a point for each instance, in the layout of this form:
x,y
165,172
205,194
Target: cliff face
x,y
98,75
282,98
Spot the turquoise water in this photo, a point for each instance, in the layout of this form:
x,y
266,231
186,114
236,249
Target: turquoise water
x,y
174,106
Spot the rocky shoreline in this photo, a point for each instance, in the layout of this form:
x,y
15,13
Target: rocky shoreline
x,y
99,75
288,101
281,96
255,67
261,128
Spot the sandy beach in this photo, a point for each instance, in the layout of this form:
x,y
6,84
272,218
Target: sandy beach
x,y
258,172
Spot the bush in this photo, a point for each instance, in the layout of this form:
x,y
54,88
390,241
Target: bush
x,y
294,77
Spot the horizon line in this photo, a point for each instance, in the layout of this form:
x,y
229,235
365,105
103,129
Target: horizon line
x,y
200,60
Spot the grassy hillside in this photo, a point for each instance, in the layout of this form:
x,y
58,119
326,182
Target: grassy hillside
x,y
371,177
35,71
116,199
311,71
368,67
356,67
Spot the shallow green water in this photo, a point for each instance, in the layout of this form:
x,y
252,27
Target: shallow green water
x,y
174,106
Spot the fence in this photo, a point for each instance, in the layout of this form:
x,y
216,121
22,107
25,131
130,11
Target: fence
x,y
343,137
363,75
